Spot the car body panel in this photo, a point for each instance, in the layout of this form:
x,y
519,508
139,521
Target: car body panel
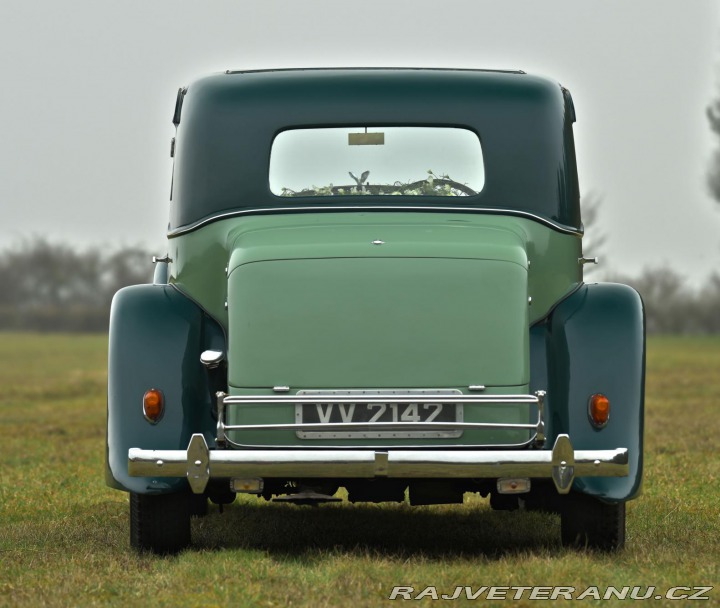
x,y
201,258
156,336
594,342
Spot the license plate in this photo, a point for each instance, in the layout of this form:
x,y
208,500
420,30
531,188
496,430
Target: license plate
x,y
421,411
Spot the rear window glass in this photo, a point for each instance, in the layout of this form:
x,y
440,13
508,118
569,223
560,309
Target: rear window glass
x,y
356,161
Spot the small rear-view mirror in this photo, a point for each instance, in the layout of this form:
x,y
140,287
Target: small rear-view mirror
x,y
366,139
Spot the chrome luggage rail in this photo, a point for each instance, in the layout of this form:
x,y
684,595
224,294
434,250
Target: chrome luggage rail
x,y
224,400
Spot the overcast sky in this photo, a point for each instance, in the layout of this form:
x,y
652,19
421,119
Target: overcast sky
x,y
88,89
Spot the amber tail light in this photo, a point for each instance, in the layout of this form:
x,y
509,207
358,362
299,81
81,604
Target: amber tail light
x,y
599,410
153,405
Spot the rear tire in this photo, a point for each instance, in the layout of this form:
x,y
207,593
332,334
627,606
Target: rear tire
x,y
198,505
159,522
586,522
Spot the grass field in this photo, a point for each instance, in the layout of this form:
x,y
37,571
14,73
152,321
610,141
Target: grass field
x,y
64,535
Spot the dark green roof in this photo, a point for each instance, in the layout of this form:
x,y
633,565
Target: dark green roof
x,y
228,121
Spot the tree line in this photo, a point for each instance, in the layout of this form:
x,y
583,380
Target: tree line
x,y
47,286
674,307
56,287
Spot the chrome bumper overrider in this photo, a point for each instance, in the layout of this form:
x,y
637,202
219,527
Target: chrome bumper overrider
x,y
200,464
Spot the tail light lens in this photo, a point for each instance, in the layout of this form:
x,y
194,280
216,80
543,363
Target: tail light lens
x,y
153,405
599,410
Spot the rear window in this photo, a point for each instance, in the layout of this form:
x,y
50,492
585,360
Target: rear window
x,y
356,161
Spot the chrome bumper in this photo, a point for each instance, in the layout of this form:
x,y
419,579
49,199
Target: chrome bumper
x,y
200,464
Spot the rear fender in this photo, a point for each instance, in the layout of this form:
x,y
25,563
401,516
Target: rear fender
x,y
594,342
156,337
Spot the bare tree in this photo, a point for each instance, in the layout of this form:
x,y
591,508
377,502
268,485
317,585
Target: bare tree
x,y
54,286
594,238
713,174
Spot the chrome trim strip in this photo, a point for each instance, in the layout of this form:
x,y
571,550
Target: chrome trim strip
x,y
540,434
369,426
376,398
531,443
377,69
272,210
200,464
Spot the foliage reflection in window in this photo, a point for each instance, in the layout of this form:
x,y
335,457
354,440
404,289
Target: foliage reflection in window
x,y
361,161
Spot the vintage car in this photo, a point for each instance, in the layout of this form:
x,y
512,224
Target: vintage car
x,y
374,281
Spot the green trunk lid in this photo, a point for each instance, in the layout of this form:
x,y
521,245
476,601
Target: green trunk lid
x,y
378,306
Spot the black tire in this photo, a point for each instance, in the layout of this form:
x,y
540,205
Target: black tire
x,y
586,522
198,505
159,522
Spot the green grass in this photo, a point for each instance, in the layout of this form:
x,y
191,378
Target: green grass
x,y
64,535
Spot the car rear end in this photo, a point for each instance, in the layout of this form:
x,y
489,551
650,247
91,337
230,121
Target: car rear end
x,y
365,356
374,281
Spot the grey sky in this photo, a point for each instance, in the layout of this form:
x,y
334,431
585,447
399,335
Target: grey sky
x,y
88,90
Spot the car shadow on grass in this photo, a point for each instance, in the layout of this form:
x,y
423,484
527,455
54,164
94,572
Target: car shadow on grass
x,y
392,530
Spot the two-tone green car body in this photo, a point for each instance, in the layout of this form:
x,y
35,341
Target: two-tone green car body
x,y
374,280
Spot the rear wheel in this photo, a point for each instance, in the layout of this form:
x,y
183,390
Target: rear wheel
x,y
198,505
159,522
587,522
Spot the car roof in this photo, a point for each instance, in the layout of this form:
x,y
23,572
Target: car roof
x,y
227,122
